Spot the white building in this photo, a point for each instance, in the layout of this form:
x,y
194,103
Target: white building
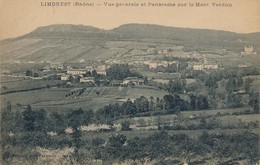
x,y
198,67
133,80
155,64
203,66
162,81
76,71
87,80
211,66
64,77
248,50
101,69
164,51
151,50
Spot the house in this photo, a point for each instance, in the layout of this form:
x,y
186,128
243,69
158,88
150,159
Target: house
x,y
197,67
64,77
242,66
143,128
87,80
46,68
81,61
155,64
194,54
151,50
68,130
203,66
248,50
133,80
211,66
56,66
162,81
164,51
152,65
71,71
101,70
116,83
59,67
166,76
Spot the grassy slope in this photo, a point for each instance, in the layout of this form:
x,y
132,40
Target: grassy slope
x,y
55,99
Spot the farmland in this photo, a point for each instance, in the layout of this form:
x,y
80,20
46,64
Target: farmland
x,y
70,98
131,93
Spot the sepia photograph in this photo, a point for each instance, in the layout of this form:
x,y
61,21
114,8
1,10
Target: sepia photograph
x,y
130,82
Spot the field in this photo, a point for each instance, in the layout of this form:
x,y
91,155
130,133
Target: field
x,y
225,117
242,118
32,97
256,82
191,133
71,98
23,83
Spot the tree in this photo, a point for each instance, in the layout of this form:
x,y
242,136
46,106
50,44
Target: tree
x,y
97,147
177,110
94,73
34,120
29,119
193,102
234,101
247,85
211,80
239,81
126,126
202,102
135,148
152,103
180,103
169,102
7,118
76,119
87,74
88,117
118,71
145,80
56,122
6,114
28,73
70,78
177,86
40,120
256,108
142,104
115,146
231,85
35,74
254,103
129,108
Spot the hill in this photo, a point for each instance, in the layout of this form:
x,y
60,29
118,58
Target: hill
x,y
61,43
188,36
71,31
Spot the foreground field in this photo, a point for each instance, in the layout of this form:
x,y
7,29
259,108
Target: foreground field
x,y
91,98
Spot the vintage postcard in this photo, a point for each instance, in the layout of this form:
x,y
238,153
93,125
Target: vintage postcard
x,y
133,82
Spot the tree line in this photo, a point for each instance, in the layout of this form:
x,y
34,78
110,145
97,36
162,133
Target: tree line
x,y
30,129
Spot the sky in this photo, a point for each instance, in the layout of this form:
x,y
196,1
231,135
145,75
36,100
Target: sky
x,y
18,17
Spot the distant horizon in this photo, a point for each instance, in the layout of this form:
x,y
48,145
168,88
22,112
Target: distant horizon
x,y
133,23
109,29
21,17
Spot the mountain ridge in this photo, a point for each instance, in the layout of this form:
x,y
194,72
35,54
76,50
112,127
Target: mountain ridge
x,y
84,28
63,42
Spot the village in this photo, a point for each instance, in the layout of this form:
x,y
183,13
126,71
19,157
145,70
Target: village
x,y
140,82
152,63
139,92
